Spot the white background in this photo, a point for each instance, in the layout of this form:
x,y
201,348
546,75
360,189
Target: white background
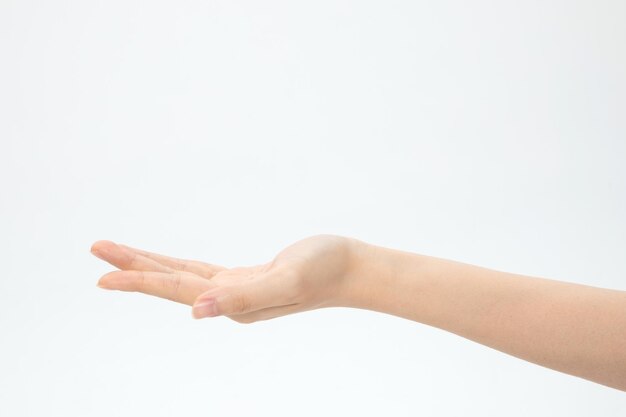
x,y
490,132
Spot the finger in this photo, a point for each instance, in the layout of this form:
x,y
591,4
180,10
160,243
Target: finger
x,y
122,258
203,269
177,286
244,297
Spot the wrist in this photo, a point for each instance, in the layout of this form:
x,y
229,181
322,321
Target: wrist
x,y
385,280
368,278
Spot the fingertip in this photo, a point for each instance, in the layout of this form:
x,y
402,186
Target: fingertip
x,y
111,281
205,308
103,284
195,315
205,303
99,243
101,246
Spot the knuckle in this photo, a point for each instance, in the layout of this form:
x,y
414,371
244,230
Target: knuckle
x,y
132,261
184,266
207,270
175,285
140,281
171,286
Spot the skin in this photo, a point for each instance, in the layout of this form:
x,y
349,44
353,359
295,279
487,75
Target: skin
x,y
576,329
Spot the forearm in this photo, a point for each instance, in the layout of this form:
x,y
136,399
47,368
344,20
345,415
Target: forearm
x,y
572,328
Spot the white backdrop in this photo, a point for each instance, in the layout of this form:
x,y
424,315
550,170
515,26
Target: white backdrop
x,y
490,132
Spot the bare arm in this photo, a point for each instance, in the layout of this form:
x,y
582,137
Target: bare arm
x,y
576,329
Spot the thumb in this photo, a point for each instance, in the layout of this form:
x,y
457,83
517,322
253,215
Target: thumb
x,y
245,297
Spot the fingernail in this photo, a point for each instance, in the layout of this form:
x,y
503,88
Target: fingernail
x,y
205,308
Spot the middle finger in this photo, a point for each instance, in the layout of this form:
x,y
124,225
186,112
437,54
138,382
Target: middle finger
x,y
125,259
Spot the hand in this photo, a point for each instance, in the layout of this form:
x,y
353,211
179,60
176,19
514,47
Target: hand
x,y
311,273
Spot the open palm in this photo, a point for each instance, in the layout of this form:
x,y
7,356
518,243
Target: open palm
x,y
308,274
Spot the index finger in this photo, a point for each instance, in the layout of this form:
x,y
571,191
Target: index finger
x,y
124,258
